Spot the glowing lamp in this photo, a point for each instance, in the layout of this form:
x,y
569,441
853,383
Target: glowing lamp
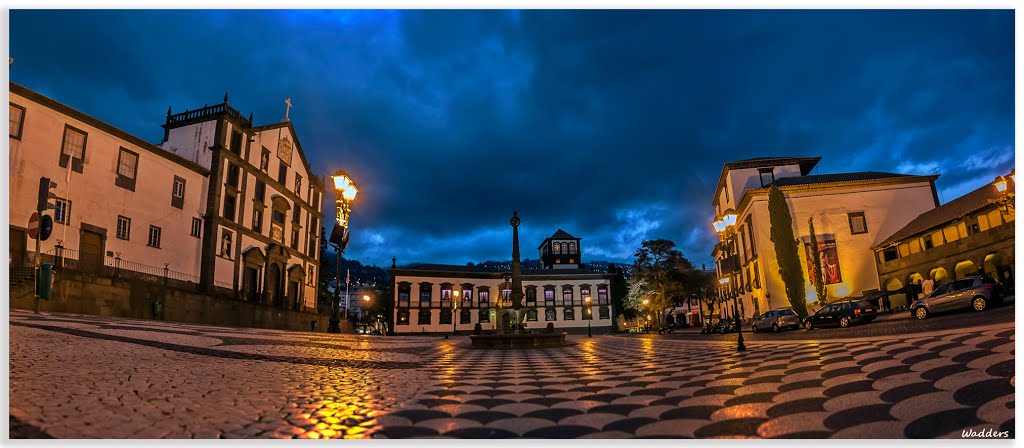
x,y
646,301
723,280
719,226
1000,184
366,298
344,185
729,220
587,299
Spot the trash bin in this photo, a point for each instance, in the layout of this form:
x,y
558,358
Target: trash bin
x,y
44,284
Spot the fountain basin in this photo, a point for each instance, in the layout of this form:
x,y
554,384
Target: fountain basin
x,y
513,341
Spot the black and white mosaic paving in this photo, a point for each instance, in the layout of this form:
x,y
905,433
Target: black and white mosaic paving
x,y
90,377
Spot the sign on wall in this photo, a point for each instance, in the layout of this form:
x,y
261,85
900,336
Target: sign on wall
x,y
829,258
284,150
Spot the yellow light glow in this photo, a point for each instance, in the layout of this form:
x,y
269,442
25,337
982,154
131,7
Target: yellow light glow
x,y
366,298
723,280
587,299
646,301
1001,184
719,226
841,290
729,219
456,293
345,185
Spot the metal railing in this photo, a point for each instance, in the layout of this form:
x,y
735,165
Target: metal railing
x,y
116,267
208,111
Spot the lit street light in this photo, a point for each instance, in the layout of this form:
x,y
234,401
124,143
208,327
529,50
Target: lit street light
x,y
646,302
724,228
455,306
589,315
346,191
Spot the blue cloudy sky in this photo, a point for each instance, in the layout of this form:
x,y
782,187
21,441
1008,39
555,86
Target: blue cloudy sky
x,y
612,125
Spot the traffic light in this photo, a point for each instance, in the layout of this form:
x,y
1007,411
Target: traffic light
x,y
46,193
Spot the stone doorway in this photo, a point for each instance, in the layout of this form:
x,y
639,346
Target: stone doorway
x,y
90,251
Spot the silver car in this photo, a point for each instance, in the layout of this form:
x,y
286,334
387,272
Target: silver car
x,y
975,291
776,320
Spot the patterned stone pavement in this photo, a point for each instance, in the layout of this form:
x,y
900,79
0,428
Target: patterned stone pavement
x,y
77,376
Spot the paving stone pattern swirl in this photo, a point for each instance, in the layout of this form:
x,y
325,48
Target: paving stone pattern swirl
x,y
90,377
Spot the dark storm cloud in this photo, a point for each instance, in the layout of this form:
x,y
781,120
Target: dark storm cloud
x,y
612,125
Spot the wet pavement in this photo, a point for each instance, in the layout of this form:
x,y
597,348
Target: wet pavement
x,y
75,376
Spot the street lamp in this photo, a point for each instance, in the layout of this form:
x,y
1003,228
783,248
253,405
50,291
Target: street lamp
x,y
346,191
645,302
589,315
724,228
455,306
1006,193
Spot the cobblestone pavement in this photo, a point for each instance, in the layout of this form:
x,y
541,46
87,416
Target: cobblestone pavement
x,y
77,376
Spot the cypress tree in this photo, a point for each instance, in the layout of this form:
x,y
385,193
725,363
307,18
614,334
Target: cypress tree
x,y
818,277
786,250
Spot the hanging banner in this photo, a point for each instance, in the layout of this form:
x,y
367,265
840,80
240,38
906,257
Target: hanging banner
x,y
829,258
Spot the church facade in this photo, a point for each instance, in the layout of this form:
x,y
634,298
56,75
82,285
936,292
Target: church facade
x,y
437,298
219,203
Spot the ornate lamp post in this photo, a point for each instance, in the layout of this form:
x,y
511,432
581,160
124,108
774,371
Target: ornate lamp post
x,y
590,316
455,307
724,227
346,191
1005,185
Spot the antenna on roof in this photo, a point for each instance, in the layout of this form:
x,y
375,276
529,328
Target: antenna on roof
x,y
225,97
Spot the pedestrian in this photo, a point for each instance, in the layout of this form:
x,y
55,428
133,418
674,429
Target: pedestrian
x,y
927,286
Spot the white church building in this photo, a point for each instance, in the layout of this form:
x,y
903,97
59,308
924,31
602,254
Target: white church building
x,y
220,203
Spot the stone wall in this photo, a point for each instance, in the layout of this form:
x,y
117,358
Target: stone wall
x,y
81,293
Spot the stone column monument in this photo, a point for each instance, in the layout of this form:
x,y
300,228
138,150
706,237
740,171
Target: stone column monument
x,y
517,275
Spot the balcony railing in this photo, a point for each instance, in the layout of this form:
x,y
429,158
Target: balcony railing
x,y
974,241
205,112
116,267
730,265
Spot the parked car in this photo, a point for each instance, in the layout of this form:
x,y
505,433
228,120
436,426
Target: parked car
x,y
776,320
977,292
843,314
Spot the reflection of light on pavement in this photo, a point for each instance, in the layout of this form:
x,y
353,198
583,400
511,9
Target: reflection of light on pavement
x,y
647,350
589,350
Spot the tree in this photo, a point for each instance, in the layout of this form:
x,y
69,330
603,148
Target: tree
x,y
662,269
702,285
817,276
638,290
786,250
620,290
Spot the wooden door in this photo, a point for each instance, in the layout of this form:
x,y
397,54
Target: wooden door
x,y
90,251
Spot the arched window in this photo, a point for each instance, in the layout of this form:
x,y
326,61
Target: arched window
x,y
572,247
556,247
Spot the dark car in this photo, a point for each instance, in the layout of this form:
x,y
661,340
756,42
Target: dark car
x,y
842,314
976,292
